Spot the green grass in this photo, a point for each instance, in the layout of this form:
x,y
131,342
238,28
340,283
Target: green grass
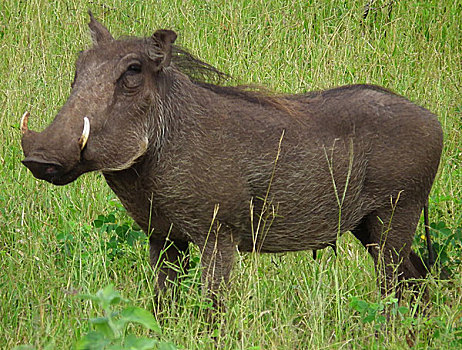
x,y
275,301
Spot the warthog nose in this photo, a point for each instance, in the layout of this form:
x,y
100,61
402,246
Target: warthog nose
x,y
42,169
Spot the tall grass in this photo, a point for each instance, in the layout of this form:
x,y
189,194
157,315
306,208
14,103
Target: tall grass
x,y
49,249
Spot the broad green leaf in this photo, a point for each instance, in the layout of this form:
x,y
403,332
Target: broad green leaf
x,y
134,236
381,319
92,341
369,318
134,343
101,324
138,315
50,346
109,296
111,218
98,223
120,323
359,305
61,236
167,346
115,347
122,230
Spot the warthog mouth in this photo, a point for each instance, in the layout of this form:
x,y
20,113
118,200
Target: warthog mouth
x,y
52,171
48,171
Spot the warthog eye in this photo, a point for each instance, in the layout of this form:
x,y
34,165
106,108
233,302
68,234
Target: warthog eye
x,y
132,78
134,68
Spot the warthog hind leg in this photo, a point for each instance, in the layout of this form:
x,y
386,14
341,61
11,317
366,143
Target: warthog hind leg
x,y
387,234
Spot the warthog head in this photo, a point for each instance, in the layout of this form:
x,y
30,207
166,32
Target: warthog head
x,y
103,125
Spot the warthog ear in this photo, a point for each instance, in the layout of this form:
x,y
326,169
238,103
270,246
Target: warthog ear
x,y
99,33
161,52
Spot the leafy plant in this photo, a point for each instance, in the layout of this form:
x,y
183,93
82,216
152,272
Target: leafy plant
x,y
374,312
110,330
446,239
119,234
449,333
116,233
446,243
66,242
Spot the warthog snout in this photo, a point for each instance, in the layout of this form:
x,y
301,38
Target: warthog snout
x,y
47,152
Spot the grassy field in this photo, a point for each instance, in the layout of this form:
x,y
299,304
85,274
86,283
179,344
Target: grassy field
x,y
51,245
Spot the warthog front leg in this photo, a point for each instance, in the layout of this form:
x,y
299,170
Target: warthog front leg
x,y
217,257
168,258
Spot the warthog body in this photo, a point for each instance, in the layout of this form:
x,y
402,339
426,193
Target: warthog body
x,y
212,165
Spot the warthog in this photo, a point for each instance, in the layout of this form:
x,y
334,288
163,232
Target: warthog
x,y
228,167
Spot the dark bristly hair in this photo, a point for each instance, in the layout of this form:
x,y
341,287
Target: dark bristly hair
x,y
197,70
207,76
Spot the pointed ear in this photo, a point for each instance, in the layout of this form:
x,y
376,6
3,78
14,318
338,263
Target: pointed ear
x,y
99,33
161,51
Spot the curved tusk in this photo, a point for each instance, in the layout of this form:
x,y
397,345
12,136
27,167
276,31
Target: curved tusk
x,y
85,133
23,122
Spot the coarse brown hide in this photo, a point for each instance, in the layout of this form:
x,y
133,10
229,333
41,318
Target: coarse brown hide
x,y
227,168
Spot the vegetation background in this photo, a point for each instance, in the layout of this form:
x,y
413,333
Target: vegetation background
x,y
56,242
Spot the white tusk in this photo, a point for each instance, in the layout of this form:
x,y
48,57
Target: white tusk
x,y
23,122
85,133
